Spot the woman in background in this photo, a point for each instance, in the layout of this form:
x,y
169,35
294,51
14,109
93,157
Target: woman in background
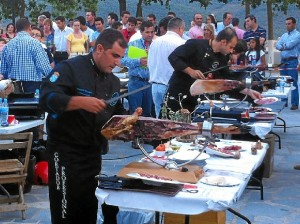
x,y
48,35
77,42
209,32
210,19
10,32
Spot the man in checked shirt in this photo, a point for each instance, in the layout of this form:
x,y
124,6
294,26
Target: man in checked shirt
x,y
24,58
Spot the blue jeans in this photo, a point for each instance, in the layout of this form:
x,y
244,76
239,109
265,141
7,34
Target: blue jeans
x,y
294,74
141,99
158,94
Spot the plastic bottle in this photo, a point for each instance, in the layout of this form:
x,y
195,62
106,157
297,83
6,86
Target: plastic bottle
x,y
1,103
37,94
4,113
281,85
253,62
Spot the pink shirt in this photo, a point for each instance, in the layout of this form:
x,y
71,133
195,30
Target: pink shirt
x,y
239,32
197,32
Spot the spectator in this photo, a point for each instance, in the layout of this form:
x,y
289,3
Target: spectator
x,y
38,34
77,42
2,44
10,32
158,63
209,32
139,21
40,21
163,25
239,32
152,18
197,31
172,14
60,40
138,71
289,47
124,18
70,23
117,26
130,30
253,30
48,35
111,18
210,19
227,19
90,19
48,15
256,56
24,59
99,23
84,28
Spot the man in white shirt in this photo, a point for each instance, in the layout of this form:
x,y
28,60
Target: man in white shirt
x,y
227,19
60,40
158,63
124,18
197,31
84,28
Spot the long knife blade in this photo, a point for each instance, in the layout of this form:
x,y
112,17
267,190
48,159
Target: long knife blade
x,y
126,94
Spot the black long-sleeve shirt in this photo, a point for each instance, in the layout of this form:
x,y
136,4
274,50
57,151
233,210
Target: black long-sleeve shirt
x,y
78,76
197,54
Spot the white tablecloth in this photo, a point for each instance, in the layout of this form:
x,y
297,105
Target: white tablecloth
x,y
22,126
277,93
208,198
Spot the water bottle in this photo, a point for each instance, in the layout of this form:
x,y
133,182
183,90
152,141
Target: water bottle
x,y
37,94
1,103
253,62
4,113
281,85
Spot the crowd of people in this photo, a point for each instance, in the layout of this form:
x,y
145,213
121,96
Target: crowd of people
x,y
75,88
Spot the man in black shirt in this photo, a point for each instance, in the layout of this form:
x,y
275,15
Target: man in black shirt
x,y
194,58
74,95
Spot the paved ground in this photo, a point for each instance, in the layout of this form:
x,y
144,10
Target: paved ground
x,y
282,190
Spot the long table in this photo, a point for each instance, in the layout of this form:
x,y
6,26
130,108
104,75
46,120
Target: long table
x,y
208,198
22,126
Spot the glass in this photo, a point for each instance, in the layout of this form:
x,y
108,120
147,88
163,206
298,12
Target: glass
x,y
35,35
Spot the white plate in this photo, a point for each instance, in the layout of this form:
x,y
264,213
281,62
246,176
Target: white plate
x,y
151,179
221,181
225,125
266,100
217,153
186,155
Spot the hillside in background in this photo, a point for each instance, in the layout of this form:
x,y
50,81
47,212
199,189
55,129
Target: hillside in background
x,y
186,10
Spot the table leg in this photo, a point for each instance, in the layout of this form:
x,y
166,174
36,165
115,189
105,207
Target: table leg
x,y
284,124
156,217
239,215
186,219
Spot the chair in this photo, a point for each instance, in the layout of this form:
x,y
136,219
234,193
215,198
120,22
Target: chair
x,y
12,171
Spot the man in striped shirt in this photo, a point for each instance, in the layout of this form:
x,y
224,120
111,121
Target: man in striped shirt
x,y
24,58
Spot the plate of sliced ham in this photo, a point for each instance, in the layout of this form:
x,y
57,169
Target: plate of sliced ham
x,y
266,100
220,181
227,151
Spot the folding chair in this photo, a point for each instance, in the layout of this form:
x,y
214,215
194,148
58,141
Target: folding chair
x,y
12,171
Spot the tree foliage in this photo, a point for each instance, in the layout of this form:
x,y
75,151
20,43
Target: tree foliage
x,y
70,8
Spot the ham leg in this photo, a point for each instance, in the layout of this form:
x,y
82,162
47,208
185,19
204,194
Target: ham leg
x,y
202,86
151,129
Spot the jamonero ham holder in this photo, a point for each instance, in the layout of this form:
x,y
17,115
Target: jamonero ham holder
x,y
136,127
